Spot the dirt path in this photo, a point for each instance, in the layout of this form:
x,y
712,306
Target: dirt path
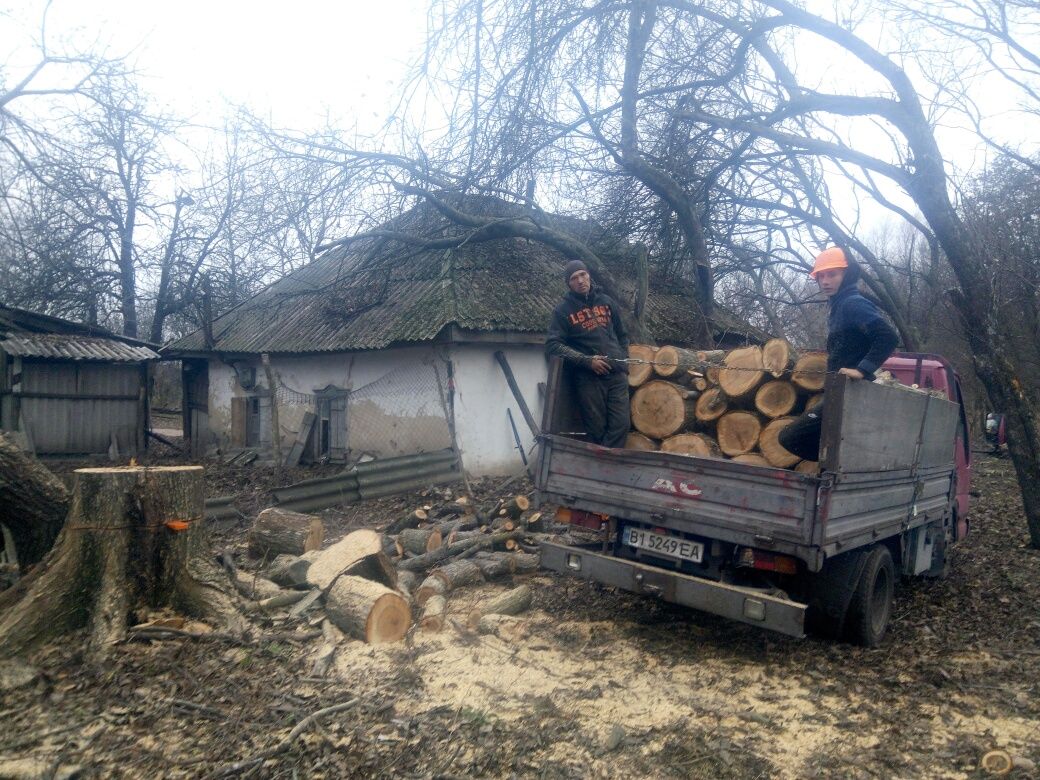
x,y
596,684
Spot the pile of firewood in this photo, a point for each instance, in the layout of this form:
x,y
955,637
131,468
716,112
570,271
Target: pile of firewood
x,y
375,586
719,404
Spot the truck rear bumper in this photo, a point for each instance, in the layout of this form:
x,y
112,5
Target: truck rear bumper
x,y
744,604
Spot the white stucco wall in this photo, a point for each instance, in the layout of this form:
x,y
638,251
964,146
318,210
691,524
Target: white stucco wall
x,y
481,398
395,407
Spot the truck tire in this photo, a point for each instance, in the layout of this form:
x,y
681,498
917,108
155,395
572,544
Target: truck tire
x,y
871,606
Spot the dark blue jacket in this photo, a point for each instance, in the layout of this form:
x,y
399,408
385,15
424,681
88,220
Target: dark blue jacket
x,y
857,334
587,325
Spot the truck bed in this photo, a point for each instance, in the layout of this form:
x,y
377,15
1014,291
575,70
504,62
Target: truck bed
x,y
886,466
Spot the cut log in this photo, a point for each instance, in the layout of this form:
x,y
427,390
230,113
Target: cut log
x,y
504,524
660,409
711,375
512,602
428,588
738,432
776,399
769,444
711,405
698,444
282,532
810,467
367,610
752,459
411,520
637,441
358,553
536,522
133,535
810,371
462,548
514,507
743,371
254,587
674,363
33,503
638,373
433,614
495,565
711,355
457,574
778,356
418,541
813,401
406,581
697,381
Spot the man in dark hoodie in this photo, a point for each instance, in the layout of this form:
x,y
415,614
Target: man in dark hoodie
x,y
587,332
859,340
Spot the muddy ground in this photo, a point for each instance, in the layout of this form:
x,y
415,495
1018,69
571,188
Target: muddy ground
x,y
594,683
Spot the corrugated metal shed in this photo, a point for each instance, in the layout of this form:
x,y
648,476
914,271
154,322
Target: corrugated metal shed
x,y
74,348
374,292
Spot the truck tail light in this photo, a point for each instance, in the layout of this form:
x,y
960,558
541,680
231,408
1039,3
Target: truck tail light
x,y
756,559
580,517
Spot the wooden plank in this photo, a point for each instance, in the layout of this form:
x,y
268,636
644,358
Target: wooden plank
x,y
292,458
511,380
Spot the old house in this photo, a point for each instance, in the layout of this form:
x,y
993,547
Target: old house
x,y
390,346
72,389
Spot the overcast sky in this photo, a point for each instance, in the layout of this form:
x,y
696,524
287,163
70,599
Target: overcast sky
x,y
289,59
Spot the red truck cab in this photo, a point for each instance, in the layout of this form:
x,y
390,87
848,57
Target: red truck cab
x,y
929,372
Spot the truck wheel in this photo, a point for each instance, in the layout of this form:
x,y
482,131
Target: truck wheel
x,y
871,606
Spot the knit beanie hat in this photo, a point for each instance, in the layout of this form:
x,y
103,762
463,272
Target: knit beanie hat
x,y
572,268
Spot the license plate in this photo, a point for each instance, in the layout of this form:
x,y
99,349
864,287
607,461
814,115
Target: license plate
x,y
670,546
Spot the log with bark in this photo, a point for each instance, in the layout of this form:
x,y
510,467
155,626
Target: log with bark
x,y
743,371
638,373
660,409
698,444
413,519
675,364
711,405
769,444
776,398
367,610
359,553
33,503
428,588
134,536
418,541
512,507
637,441
738,432
464,547
512,602
280,531
778,356
433,613
810,371
406,581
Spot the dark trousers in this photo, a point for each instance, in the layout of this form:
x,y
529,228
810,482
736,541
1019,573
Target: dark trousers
x,y
802,437
604,405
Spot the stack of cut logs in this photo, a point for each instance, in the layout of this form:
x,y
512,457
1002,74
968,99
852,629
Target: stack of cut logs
x,y
718,404
369,583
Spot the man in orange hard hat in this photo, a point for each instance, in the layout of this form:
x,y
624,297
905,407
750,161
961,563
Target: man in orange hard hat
x,y
859,340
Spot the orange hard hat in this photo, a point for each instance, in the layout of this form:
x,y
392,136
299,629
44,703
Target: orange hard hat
x,y
829,259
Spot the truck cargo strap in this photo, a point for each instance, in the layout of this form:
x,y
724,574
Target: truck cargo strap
x,y
731,601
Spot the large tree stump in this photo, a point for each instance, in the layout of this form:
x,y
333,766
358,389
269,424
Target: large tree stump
x,y
134,537
661,408
33,503
281,531
367,610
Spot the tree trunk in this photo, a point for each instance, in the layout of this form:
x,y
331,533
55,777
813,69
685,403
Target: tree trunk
x,y
33,503
367,610
133,536
660,409
738,432
281,531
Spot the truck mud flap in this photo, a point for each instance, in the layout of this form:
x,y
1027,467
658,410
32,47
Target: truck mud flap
x,y
730,601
